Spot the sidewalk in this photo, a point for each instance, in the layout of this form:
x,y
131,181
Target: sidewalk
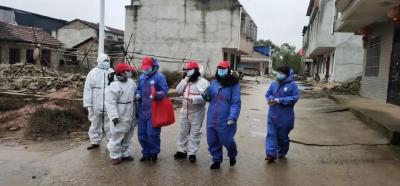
x,y
381,116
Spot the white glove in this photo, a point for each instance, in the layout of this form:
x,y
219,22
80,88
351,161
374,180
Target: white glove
x,y
137,96
231,122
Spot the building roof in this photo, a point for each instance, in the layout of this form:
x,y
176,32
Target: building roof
x,y
10,32
30,19
96,27
255,57
107,42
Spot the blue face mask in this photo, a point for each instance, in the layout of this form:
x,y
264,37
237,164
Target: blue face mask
x,y
280,76
147,72
190,73
222,72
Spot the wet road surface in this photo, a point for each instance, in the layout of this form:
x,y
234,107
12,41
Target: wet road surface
x,y
334,148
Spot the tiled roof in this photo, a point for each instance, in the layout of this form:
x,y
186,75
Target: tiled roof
x,y
96,27
107,42
10,32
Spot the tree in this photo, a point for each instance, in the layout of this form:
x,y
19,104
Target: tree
x,y
285,54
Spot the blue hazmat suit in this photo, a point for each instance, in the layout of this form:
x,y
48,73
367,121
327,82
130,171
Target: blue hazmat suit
x,y
149,137
225,105
281,116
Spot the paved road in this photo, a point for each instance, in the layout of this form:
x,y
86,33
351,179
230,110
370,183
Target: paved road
x,y
337,149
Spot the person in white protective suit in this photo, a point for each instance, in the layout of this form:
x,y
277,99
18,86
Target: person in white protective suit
x,y
192,86
94,98
120,104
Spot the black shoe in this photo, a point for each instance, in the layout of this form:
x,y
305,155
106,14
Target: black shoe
x,y
93,146
192,158
129,158
180,155
154,159
270,159
144,159
232,162
215,165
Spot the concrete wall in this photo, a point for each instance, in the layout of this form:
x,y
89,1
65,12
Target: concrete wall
x,y
348,60
377,87
7,16
75,33
184,28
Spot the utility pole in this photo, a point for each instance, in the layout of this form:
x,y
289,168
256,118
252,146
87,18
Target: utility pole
x,y
101,27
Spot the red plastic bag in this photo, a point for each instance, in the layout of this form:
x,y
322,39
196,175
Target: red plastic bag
x,y
162,113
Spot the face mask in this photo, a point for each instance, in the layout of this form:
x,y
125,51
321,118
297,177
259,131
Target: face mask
x,y
281,76
129,74
147,72
222,72
190,73
104,65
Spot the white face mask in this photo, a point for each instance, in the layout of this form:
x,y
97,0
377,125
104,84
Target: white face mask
x,y
129,74
190,73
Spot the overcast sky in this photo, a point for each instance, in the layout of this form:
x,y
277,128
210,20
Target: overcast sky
x,y
279,20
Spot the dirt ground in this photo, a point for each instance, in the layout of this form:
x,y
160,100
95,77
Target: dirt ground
x,y
329,148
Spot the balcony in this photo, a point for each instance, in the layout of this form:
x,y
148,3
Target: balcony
x,y
355,14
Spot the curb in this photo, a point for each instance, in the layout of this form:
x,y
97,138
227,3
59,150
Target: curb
x,y
393,136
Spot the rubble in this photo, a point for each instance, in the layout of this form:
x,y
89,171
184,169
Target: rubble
x,y
351,87
322,90
29,79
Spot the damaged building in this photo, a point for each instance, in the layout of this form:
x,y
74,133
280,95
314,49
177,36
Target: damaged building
x,y
82,39
203,30
17,45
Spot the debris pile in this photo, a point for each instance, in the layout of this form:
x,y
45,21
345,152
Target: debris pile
x,y
351,87
31,79
321,90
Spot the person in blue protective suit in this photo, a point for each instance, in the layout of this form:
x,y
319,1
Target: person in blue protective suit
x,y
222,115
282,96
149,137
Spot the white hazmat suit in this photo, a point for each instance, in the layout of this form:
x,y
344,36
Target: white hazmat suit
x,y
120,104
94,99
192,115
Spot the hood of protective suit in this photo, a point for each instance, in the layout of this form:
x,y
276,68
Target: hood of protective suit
x,y
155,66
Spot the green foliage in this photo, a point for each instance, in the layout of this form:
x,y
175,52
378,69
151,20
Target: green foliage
x,y
285,54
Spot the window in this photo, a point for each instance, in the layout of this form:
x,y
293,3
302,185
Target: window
x,y
46,58
373,57
14,55
29,57
110,37
225,56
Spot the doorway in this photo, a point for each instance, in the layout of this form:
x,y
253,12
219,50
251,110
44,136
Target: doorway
x,y
394,75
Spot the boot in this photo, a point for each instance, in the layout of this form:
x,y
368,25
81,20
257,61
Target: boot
x,y
270,159
192,158
232,162
180,155
215,165
143,159
154,159
93,146
128,158
116,161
